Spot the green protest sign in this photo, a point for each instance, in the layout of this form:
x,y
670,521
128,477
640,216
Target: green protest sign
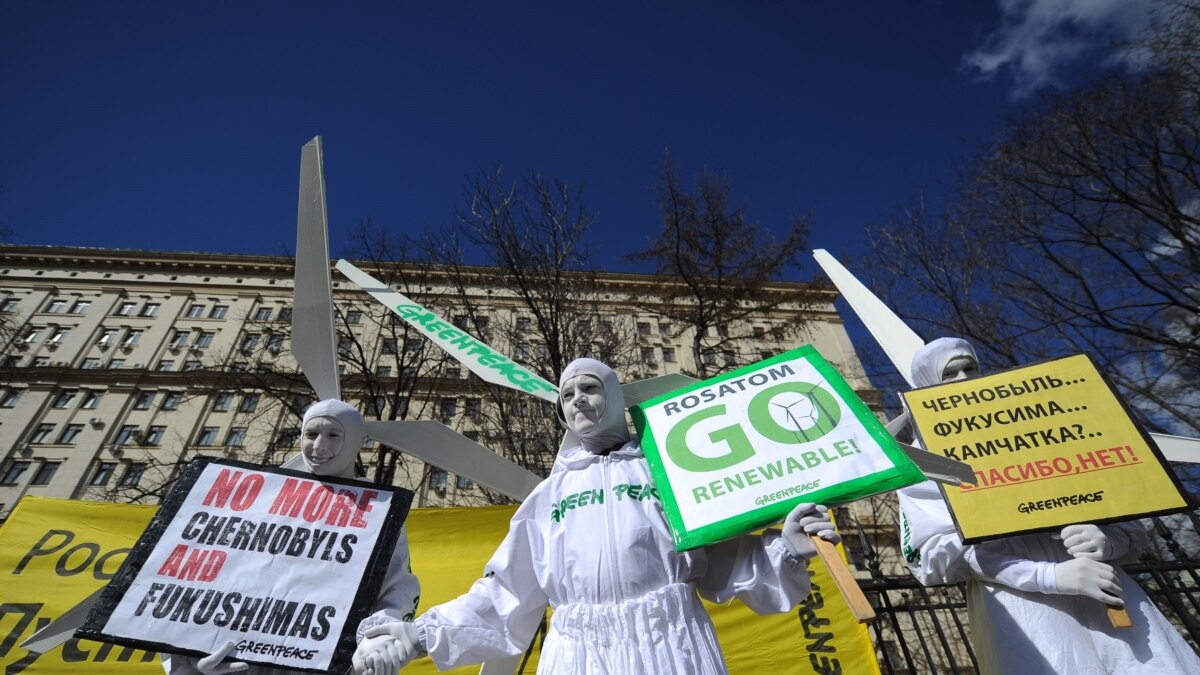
x,y
737,452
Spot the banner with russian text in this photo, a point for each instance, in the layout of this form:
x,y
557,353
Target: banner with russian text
x,y
281,563
738,451
1051,444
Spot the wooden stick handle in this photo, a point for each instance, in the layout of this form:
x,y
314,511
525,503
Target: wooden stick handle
x,y
1119,617
844,580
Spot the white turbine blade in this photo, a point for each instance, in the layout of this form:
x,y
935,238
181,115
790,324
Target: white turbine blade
x,y
939,468
486,362
312,307
441,446
505,666
61,629
897,424
1178,448
895,337
644,390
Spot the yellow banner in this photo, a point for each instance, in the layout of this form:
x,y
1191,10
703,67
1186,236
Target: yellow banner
x,y
54,553
1051,444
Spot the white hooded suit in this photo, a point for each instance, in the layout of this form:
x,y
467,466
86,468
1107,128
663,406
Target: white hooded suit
x,y
1020,623
591,542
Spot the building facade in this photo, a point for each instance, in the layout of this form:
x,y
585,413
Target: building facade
x,y
119,366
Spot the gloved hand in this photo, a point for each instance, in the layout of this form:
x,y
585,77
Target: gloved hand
x,y
805,520
387,648
1084,576
212,664
1087,541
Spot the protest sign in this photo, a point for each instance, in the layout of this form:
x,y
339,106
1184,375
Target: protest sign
x,y
281,563
738,451
1050,444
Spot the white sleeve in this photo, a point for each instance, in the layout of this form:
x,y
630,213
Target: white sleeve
x,y
501,612
400,593
758,570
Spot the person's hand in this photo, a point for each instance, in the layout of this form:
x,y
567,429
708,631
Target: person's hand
x,y
806,520
212,664
1084,576
386,649
1087,541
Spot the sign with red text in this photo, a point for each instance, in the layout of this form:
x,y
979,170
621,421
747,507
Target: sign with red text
x,y
283,564
1051,444
738,451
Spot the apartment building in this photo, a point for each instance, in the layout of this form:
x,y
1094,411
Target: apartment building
x,y
119,366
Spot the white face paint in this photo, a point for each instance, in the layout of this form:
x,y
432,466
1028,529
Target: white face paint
x,y
321,440
583,402
960,368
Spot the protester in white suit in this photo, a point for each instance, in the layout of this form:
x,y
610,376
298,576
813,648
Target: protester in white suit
x,y
330,436
591,542
1035,601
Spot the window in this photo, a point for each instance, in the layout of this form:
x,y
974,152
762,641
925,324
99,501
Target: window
x,y
154,434
91,399
287,438
192,364
453,373
236,437
262,314
275,343
384,371
643,328
402,406
709,358
165,365
461,321
150,309
145,399
80,306
345,345
437,479
250,342
759,332
764,355
249,403
126,308
42,432
107,337
194,311
204,339
218,312
473,407
353,317
69,433
729,358
45,473
116,364
481,324
242,366
648,355
63,399
389,345
222,402
171,400
132,338
11,361
14,471
208,436
90,364
179,339
413,346
126,434
378,405
57,337
285,314
33,334
56,306
523,351
723,330
103,474
668,354
10,398
462,482
9,305
448,406
133,474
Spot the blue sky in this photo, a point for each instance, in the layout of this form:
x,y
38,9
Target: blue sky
x,y
178,126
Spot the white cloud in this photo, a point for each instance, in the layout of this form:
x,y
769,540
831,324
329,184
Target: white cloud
x,y
1038,39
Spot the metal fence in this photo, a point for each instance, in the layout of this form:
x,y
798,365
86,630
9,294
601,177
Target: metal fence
x,y
925,630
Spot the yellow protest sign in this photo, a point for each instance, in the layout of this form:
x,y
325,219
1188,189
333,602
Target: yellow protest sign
x,y
1051,444
54,553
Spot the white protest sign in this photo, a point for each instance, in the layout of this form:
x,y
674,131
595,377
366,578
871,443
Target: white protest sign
x,y
280,563
738,451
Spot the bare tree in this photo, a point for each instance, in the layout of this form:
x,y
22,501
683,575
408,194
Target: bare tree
x,y
717,265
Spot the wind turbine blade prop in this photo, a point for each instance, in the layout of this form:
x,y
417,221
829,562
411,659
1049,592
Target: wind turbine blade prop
x,y
939,468
486,362
1178,448
61,629
436,444
644,390
312,310
893,335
